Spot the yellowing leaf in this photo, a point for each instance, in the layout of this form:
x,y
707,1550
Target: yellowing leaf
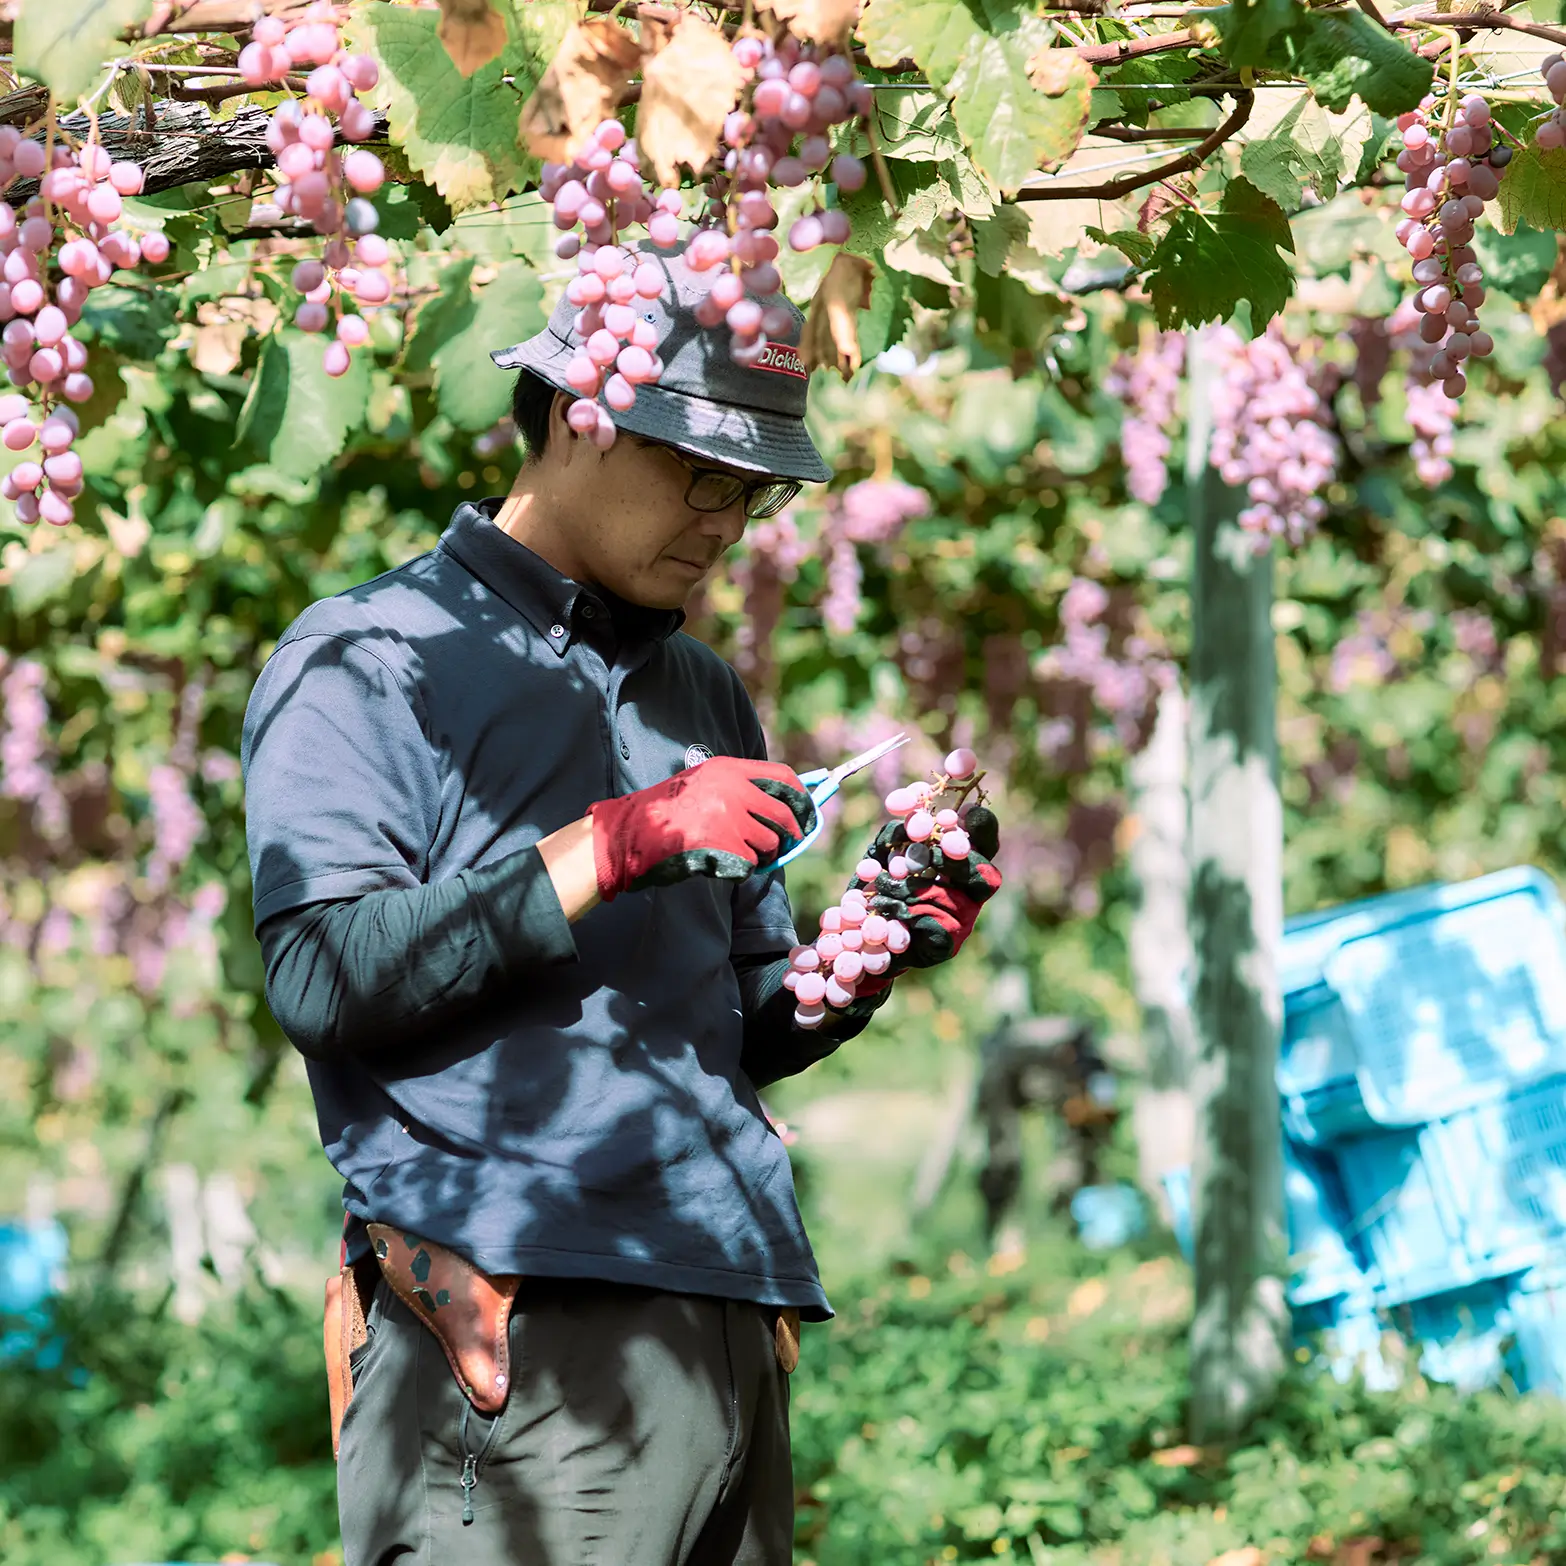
x,y
831,334
64,43
581,88
821,21
473,33
1534,190
688,88
458,132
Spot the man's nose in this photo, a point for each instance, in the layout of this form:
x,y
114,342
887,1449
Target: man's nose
x,y
726,526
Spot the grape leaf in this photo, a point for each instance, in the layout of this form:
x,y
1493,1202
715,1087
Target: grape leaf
x,y
582,87
1340,53
459,132
64,43
1308,145
882,324
1519,264
473,33
295,415
821,21
1136,247
1132,100
441,317
994,238
1205,265
980,59
830,339
1534,190
688,89
1248,27
469,390
916,125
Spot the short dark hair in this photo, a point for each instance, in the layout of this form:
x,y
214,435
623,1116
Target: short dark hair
x,y
532,403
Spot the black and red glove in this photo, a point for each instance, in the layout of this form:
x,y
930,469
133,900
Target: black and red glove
x,y
722,818
939,915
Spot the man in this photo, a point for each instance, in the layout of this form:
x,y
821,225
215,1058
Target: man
x,y
509,833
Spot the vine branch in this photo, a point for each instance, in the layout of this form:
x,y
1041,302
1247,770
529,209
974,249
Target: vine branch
x,y
1112,190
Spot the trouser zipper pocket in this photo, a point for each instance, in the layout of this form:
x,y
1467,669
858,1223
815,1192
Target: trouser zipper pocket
x,y
471,1459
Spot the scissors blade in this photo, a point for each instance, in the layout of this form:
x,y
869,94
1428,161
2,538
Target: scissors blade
x,y
865,759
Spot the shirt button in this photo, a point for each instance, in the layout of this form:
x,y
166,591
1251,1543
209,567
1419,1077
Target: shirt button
x,y
557,630
588,611
625,751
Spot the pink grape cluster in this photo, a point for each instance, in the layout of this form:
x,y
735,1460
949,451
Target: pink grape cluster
x,y
1147,382
856,944
45,287
1450,173
327,188
796,92
1551,131
602,192
359,273
1270,436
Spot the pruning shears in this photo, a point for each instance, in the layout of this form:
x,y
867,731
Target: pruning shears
x,y
824,782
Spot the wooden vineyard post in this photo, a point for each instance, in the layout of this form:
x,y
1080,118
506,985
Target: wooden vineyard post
x,y
1239,1335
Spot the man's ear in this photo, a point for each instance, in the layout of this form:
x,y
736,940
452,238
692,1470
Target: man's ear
x,y
561,435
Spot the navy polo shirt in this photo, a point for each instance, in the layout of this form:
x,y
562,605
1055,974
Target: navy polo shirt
x,y
440,718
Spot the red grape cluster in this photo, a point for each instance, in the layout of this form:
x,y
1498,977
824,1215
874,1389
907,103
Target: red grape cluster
x,y
1270,436
797,92
1551,132
856,944
601,191
329,189
45,287
1450,172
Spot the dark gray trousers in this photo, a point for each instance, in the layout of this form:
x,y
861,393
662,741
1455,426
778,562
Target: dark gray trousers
x,y
642,1429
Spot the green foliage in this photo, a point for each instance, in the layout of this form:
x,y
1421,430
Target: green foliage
x,y
979,58
63,43
1309,147
1534,190
459,133
1205,266
1250,27
296,417
472,393
1343,53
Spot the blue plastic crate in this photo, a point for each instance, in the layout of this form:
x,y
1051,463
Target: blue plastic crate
x,y
1322,1264
1538,1306
1397,1217
1403,1009
1500,1170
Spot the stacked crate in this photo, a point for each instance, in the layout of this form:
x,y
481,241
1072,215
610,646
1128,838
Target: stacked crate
x,y
1423,1081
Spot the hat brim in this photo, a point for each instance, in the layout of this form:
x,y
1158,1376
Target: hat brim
x,y
752,439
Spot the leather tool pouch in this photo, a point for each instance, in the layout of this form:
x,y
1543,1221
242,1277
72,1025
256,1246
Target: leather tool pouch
x,y
468,1311
347,1304
785,1338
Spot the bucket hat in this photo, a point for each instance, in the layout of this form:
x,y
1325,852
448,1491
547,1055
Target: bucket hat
x,y
746,416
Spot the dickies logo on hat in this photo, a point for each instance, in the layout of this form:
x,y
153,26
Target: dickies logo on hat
x,y
781,359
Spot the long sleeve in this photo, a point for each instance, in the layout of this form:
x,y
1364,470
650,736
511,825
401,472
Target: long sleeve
x,y
774,1047
382,973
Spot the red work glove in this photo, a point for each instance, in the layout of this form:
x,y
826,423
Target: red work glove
x,y
722,818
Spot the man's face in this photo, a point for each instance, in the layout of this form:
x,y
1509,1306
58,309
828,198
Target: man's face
x,y
630,525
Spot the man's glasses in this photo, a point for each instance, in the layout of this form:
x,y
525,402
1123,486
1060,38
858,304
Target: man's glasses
x,y
715,489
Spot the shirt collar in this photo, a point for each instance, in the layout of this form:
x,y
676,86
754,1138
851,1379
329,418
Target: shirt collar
x,y
538,592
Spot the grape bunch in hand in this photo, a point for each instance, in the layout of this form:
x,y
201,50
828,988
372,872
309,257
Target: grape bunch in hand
x,y
601,191
68,241
914,899
1450,171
